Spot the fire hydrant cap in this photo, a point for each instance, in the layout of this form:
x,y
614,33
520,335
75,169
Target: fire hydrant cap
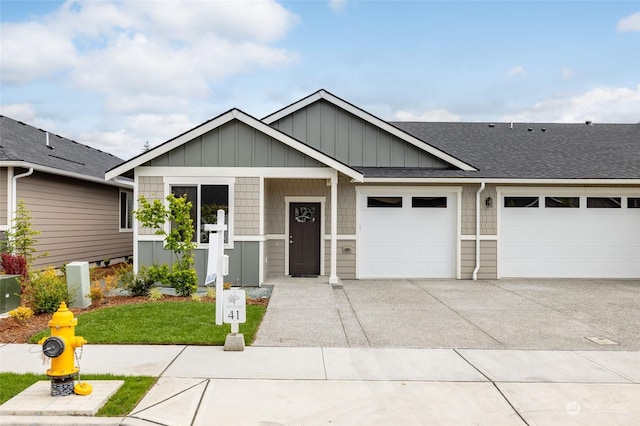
x,y
83,388
63,317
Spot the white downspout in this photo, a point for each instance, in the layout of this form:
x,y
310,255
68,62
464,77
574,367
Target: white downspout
x,y
477,268
14,195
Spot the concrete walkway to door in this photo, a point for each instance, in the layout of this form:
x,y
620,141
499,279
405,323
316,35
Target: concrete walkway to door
x,y
500,314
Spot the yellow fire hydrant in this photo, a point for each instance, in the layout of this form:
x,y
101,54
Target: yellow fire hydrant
x,y
60,347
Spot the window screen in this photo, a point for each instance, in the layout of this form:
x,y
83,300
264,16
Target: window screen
x,y
521,202
384,201
429,202
562,202
604,202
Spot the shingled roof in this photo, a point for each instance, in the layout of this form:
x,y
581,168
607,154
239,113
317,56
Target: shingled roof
x,y
20,142
528,151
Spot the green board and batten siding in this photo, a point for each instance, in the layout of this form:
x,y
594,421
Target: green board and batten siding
x,y
352,140
234,144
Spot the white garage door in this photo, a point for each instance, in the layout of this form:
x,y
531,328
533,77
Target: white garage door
x,y
570,237
406,235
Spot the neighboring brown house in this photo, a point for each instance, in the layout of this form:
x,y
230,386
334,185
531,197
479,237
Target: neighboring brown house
x,y
80,216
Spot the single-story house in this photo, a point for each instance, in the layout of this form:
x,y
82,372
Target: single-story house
x,y
80,216
322,187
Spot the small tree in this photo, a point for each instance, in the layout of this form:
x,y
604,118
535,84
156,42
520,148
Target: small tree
x,y
21,237
181,275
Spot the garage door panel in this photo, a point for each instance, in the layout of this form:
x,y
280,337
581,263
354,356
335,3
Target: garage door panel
x,y
406,242
570,242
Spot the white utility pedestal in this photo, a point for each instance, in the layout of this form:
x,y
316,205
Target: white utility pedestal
x,y
79,284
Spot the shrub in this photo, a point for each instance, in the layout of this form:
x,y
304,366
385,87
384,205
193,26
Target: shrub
x,y
22,314
45,290
185,281
14,264
196,297
138,284
21,237
155,294
101,288
211,293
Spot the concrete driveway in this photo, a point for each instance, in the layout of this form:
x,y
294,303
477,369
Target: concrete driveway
x,y
497,314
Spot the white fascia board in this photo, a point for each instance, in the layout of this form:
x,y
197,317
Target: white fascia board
x,y
267,172
54,171
631,182
322,94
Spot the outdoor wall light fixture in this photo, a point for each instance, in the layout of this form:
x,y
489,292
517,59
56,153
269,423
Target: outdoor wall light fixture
x,y
488,202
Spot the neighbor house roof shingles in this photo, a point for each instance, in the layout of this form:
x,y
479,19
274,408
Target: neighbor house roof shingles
x,y
24,143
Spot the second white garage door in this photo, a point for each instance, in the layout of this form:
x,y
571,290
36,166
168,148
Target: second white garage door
x,y
570,236
406,234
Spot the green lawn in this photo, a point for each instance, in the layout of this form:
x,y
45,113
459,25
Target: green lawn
x,y
120,404
187,323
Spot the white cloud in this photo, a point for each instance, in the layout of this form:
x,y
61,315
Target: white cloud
x,y
120,143
432,115
517,71
566,73
338,5
21,112
32,50
629,23
604,105
160,127
170,48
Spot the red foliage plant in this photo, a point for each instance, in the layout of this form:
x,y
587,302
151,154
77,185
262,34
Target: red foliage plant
x,y
15,265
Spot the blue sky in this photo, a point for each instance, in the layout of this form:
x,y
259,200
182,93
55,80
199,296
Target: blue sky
x,y
116,74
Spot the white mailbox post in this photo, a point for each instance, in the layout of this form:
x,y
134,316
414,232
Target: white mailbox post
x,y
216,261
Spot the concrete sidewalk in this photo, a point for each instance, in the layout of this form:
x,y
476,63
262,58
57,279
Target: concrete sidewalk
x,y
310,385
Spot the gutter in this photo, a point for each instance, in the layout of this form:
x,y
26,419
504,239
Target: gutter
x,y
477,268
64,173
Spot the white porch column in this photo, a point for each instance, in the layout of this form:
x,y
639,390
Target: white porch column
x,y
333,277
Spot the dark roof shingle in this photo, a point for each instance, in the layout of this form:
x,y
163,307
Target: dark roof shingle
x,y
530,151
22,142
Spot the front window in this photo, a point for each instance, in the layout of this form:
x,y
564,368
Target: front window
x,y
206,200
126,210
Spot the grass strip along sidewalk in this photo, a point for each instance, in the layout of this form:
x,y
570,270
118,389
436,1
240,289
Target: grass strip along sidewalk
x,y
120,404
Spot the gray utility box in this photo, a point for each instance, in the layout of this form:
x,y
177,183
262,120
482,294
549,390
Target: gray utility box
x,y
9,292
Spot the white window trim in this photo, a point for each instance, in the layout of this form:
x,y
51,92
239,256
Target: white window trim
x,y
132,224
190,181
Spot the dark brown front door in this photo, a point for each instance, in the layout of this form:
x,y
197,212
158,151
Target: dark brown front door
x,y
304,238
